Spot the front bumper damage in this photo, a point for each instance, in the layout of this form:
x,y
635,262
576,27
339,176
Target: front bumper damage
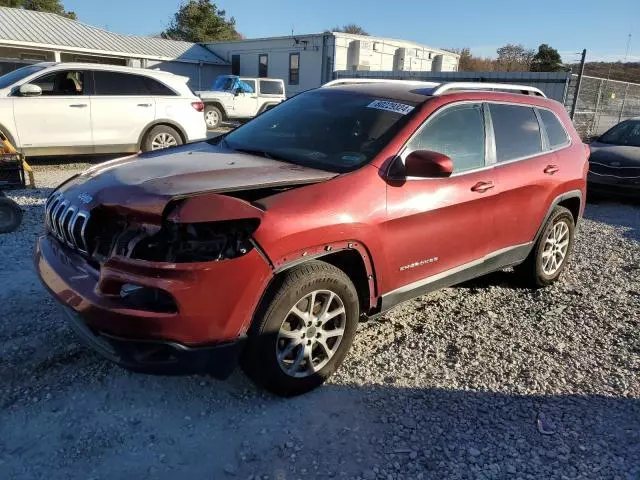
x,y
197,324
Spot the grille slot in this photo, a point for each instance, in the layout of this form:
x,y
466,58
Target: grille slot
x,y
66,222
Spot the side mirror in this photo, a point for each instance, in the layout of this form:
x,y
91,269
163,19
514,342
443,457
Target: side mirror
x,y
427,164
30,90
238,91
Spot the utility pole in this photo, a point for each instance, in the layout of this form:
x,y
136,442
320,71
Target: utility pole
x,y
579,84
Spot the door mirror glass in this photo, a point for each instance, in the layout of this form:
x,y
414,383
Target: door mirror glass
x,y
238,91
30,90
427,164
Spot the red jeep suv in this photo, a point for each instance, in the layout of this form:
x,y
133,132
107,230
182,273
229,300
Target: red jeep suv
x,y
267,245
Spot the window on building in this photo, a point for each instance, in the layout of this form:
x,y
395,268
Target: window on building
x,y
271,87
457,132
64,83
556,133
263,65
115,83
294,69
516,130
37,57
235,64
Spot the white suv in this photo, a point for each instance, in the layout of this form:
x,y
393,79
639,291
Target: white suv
x,y
75,108
240,98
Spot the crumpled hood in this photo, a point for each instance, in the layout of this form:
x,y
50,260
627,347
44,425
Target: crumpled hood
x,y
615,155
147,182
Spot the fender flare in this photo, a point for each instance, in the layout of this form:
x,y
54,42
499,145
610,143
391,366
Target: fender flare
x,y
556,201
264,107
299,257
219,105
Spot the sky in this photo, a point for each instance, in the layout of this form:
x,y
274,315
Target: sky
x,y
601,27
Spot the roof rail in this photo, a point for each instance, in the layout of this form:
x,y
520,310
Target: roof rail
x,y
441,88
446,87
356,81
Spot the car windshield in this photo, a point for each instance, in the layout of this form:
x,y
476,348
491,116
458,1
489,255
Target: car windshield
x,y
10,78
224,84
326,129
625,133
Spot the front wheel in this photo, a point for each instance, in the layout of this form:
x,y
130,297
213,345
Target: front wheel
x,y
303,330
550,254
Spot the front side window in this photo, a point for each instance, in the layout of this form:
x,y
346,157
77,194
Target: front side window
x,y
247,86
556,133
625,133
10,78
224,84
263,65
294,69
457,132
65,83
271,87
121,84
331,130
516,130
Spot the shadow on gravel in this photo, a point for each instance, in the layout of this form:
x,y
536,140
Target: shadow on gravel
x,y
142,427
618,213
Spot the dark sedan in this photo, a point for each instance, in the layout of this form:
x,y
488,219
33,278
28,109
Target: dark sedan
x,y
614,165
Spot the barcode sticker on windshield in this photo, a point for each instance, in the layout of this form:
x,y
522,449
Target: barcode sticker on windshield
x,y
400,108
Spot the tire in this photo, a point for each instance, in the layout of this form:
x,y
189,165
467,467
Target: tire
x,y
270,352
212,116
161,137
536,271
10,215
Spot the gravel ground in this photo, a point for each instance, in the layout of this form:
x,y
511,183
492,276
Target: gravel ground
x,y
481,381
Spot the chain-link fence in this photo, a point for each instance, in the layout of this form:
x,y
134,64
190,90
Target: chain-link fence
x,y
602,103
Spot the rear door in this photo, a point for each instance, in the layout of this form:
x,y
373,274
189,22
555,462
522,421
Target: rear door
x,y
527,169
59,119
122,107
438,224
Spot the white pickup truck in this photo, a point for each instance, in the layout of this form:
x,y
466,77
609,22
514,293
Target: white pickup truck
x,y
240,98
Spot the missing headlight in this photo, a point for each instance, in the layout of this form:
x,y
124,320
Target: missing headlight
x,y
197,242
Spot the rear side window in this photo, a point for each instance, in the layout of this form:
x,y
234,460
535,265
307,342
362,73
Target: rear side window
x,y
555,131
157,88
271,87
516,130
115,83
457,132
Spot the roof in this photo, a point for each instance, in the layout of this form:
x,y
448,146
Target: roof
x,y
108,67
393,91
51,31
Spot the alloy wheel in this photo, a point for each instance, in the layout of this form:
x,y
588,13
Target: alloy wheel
x,y
163,140
311,333
555,249
212,118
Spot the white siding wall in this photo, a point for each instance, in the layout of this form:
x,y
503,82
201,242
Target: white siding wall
x,y
278,50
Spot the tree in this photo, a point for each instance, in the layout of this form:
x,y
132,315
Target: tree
x,y
201,21
50,6
470,63
351,28
514,58
546,60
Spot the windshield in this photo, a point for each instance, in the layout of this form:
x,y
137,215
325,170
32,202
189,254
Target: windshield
x,y
327,129
625,133
12,77
224,84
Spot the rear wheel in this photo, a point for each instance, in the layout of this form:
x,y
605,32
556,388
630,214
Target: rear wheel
x,y
212,116
550,254
303,330
10,215
161,137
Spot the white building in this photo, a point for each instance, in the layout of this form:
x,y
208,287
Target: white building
x,y
27,37
308,61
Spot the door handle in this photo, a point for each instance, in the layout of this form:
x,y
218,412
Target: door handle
x,y
144,104
78,105
551,169
482,187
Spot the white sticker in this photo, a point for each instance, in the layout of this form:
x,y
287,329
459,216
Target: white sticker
x,y
400,108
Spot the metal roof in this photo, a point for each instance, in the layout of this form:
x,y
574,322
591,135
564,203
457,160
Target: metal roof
x,y
51,31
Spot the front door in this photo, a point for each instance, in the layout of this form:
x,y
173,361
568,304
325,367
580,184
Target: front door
x,y
122,109
245,102
438,225
58,120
